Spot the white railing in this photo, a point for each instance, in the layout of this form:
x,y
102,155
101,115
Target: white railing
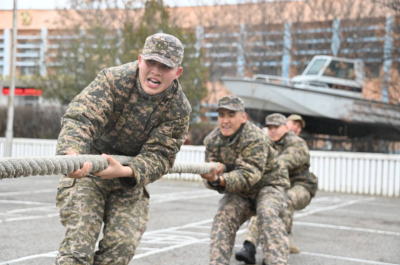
x,y
23,147
356,173
188,153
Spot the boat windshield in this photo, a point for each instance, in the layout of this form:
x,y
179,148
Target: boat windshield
x,y
340,70
317,65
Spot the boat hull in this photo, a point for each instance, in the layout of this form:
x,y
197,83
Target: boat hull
x,y
315,102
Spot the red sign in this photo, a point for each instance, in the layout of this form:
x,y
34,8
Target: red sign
x,y
23,91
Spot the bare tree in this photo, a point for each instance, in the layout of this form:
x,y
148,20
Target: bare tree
x,y
104,33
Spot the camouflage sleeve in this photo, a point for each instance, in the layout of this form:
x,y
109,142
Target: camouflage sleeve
x,y
295,156
86,113
158,154
249,167
210,156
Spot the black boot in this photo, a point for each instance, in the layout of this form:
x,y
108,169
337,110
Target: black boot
x,y
263,263
247,254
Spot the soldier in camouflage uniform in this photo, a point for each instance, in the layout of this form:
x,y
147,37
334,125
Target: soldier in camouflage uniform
x,y
139,110
295,123
253,184
293,152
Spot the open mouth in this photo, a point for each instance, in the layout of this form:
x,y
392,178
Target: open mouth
x,y
153,81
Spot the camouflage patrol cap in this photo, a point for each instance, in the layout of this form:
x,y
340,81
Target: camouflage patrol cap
x,y
163,48
295,117
231,103
276,119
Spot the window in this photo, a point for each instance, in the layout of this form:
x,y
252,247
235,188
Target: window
x,y
340,70
30,101
28,70
316,67
373,70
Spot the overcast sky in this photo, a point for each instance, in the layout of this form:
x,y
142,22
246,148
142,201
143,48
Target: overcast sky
x,y
53,4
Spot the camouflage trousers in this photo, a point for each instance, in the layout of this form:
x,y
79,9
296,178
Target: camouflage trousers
x,y
84,204
234,210
298,198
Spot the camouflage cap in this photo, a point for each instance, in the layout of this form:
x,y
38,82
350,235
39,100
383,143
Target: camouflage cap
x,y
296,117
163,48
231,103
276,119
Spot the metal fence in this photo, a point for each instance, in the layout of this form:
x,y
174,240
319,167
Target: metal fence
x,y
355,173
23,147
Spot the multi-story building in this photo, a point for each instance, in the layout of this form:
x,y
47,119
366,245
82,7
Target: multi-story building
x,y
277,38
271,37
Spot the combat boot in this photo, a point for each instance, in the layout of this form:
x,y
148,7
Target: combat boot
x,y
294,249
247,254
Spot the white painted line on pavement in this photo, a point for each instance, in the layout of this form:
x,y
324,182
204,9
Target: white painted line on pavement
x,y
345,258
191,233
164,242
31,217
348,228
152,251
178,227
168,238
145,248
52,254
14,193
395,205
203,227
138,256
360,212
241,231
179,241
180,193
335,257
170,248
169,197
24,202
43,208
184,197
328,208
324,199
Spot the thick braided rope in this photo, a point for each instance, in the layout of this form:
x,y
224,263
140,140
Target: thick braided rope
x,y
54,165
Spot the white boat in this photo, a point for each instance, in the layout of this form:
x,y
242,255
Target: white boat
x,y
329,87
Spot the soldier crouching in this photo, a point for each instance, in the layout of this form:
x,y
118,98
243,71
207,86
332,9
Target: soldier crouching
x,y
253,184
294,154
139,110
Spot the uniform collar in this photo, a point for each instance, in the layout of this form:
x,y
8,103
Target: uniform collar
x,y
230,140
281,141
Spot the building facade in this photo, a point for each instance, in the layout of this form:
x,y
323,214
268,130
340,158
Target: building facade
x,y
242,40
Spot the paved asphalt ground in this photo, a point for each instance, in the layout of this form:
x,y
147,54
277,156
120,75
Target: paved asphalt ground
x,y
333,229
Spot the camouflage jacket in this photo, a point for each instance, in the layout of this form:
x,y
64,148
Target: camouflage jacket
x,y
113,115
250,160
294,153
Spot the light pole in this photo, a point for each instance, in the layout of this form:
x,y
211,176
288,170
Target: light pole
x,y
10,112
